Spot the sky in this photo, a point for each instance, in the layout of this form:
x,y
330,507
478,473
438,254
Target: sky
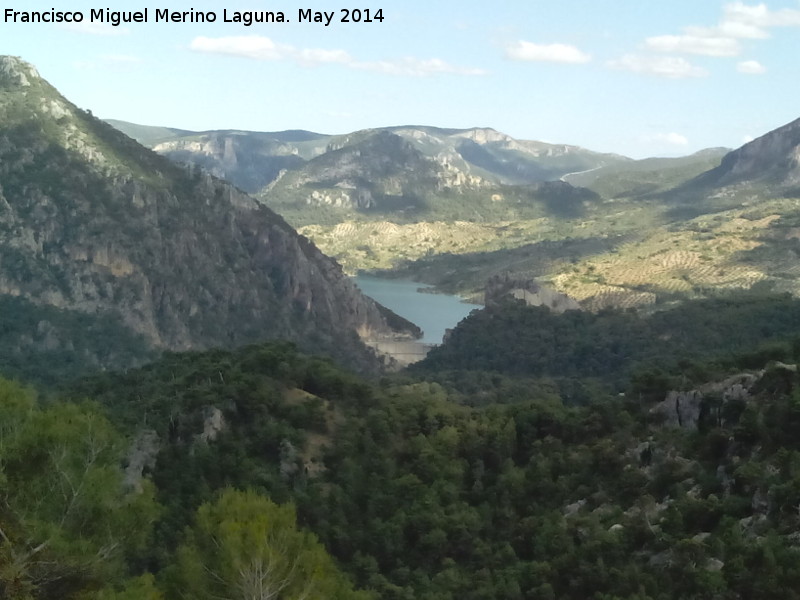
x,y
636,77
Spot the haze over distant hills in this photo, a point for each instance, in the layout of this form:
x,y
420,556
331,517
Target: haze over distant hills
x,y
249,159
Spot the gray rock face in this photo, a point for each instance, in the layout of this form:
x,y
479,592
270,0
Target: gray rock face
x,y
92,222
714,565
773,158
15,71
251,161
213,425
682,409
529,291
142,453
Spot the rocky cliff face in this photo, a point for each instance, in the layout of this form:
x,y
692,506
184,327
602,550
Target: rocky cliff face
x,y
90,221
251,161
500,287
685,408
773,158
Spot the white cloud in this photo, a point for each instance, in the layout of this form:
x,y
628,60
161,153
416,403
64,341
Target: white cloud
x,y
739,21
747,139
661,66
672,138
262,48
559,53
415,67
94,28
694,44
246,46
751,67
759,15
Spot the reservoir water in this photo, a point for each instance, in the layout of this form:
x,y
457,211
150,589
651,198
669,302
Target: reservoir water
x,y
433,313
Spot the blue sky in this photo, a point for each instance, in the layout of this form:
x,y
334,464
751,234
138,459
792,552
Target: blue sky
x,y
636,77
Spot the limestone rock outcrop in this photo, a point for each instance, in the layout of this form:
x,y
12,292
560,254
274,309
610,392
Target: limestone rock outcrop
x,y
529,291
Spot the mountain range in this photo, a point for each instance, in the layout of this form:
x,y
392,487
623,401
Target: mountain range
x,y
253,160
536,454
455,207
391,168
168,256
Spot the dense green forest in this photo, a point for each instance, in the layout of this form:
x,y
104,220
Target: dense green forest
x,y
47,344
688,343
552,469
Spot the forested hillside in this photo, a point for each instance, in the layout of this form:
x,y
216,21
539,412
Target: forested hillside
x,y
613,345
503,484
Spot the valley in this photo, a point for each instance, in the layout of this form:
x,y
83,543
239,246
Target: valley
x,y
399,363
451,208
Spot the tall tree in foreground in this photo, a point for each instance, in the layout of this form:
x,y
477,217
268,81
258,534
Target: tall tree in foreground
x,y
246,547
67,524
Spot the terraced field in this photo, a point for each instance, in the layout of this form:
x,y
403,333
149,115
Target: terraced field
x,y
382,244
620,252
707,253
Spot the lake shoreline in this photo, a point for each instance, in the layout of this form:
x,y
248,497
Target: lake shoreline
x,y
434,312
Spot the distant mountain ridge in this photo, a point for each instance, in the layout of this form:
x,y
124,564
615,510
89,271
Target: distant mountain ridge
x,y
481,152
90,221
647,176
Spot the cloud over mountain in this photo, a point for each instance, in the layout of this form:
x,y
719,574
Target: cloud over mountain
x,y
259,47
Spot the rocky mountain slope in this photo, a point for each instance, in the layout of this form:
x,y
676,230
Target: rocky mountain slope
x,y
90,221
772,159
397,162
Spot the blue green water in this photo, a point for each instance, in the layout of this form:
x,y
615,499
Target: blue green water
x,y
433,313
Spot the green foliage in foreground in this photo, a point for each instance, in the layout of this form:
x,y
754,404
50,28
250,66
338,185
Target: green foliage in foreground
x,y
245,546
67,525
416,496
489,487
72,527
